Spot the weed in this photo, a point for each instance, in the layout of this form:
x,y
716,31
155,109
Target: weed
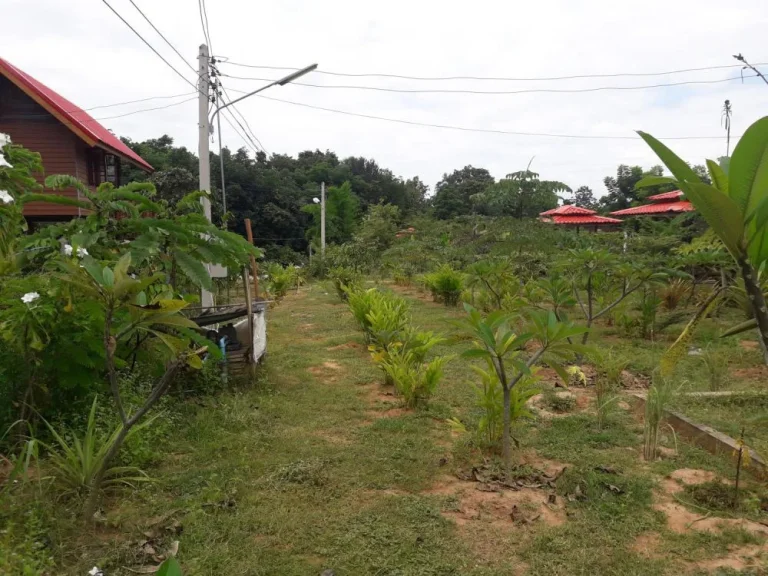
x,y
560,401
716,367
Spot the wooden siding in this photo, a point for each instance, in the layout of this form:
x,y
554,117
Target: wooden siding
x,y
32,127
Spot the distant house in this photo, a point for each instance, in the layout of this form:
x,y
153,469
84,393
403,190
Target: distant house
x,y
67,138
576,217
665,204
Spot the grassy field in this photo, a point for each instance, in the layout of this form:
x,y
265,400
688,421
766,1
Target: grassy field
x,y
318,467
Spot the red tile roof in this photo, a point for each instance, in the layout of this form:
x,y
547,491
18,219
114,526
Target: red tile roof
x,y
567,209
666,196
658,208
584,219
77,120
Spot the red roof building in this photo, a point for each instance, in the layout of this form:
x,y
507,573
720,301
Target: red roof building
x,y
569,215
69,140
665,204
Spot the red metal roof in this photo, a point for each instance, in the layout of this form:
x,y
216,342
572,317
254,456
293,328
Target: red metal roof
x,y
567,210
659,208
77,120
666,196
584,219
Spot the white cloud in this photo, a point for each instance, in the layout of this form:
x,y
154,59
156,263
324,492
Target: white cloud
x,y
86,53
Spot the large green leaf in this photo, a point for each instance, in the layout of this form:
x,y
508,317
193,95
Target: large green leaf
x,y
169,568
193,269
721,213
740,328
718,176
748,172
674,163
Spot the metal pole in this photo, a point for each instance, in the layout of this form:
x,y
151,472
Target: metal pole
x,y
322,219
206,298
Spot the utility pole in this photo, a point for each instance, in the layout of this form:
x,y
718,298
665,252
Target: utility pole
x,y
322,219
206,298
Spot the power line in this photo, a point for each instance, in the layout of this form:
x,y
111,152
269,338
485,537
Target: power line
x,y
242,137
496,92
145,110
481,130
247,135
163,37
494,78
116,13
132,102
204,23
245,120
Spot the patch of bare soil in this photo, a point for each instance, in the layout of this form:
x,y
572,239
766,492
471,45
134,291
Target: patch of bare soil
x,y
583,398
682,520
634,381
738,559
345,346
647,544
753,373
749,344
332,437
326,372
305,327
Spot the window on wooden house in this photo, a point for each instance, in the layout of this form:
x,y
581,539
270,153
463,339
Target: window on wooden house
x,y
103,167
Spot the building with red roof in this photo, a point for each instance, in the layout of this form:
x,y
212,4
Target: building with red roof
x,y
665,204
69,140
575,216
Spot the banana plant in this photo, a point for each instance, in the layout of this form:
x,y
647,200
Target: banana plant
x,y
735,206
508,352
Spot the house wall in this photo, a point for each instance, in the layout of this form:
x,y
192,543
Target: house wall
x,y
62,152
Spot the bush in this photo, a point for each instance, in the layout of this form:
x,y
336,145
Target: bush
x,y
279,280
446,285
413,380
344,279
390,310
560,401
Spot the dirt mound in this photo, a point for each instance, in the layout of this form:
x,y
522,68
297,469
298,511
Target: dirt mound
x,y
691,476
345,346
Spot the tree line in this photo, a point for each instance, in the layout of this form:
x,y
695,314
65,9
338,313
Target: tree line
x,y
276,193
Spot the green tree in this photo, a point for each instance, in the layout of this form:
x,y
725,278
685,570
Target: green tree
x,y
342,208
453,194
379,226
622,191
585,198
521,194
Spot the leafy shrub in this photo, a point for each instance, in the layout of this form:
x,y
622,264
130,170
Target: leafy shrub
x,y
445,284
344,279
389,310
414,381
560,401
489,397
77,463
716,367
279,280
673,293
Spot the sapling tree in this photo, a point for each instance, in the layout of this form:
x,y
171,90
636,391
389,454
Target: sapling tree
x,y
118,292
494,276
511,357
735,205
601,281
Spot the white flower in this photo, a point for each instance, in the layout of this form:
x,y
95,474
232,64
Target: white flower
x,y
133,276
4,139
95,571
82,252
3,161
30,297
5,196
68,249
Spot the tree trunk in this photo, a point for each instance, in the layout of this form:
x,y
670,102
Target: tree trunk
x,y
506,444
95,488
757,299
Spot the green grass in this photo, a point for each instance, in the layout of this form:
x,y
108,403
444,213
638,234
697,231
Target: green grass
x,y
313,468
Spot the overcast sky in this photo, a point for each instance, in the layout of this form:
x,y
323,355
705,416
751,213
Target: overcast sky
x,y
82,50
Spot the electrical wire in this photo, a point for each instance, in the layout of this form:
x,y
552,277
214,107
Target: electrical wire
x,y
248,126
116,13
118,104
132,102
145,110
242,137
497,92
494,78
164,38
480,130
247,135
204,23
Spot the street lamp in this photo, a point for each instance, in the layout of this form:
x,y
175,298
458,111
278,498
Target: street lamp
x,y
281,82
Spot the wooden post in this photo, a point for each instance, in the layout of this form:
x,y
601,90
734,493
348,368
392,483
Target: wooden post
x,y
254,266
249,310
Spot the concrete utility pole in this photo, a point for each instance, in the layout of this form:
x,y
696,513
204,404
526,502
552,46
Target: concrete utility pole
x,y
322,219
206,298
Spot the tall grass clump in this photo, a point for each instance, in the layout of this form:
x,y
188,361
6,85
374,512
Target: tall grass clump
x,y
445,284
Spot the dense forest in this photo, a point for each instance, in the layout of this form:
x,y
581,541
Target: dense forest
x,y
277,192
